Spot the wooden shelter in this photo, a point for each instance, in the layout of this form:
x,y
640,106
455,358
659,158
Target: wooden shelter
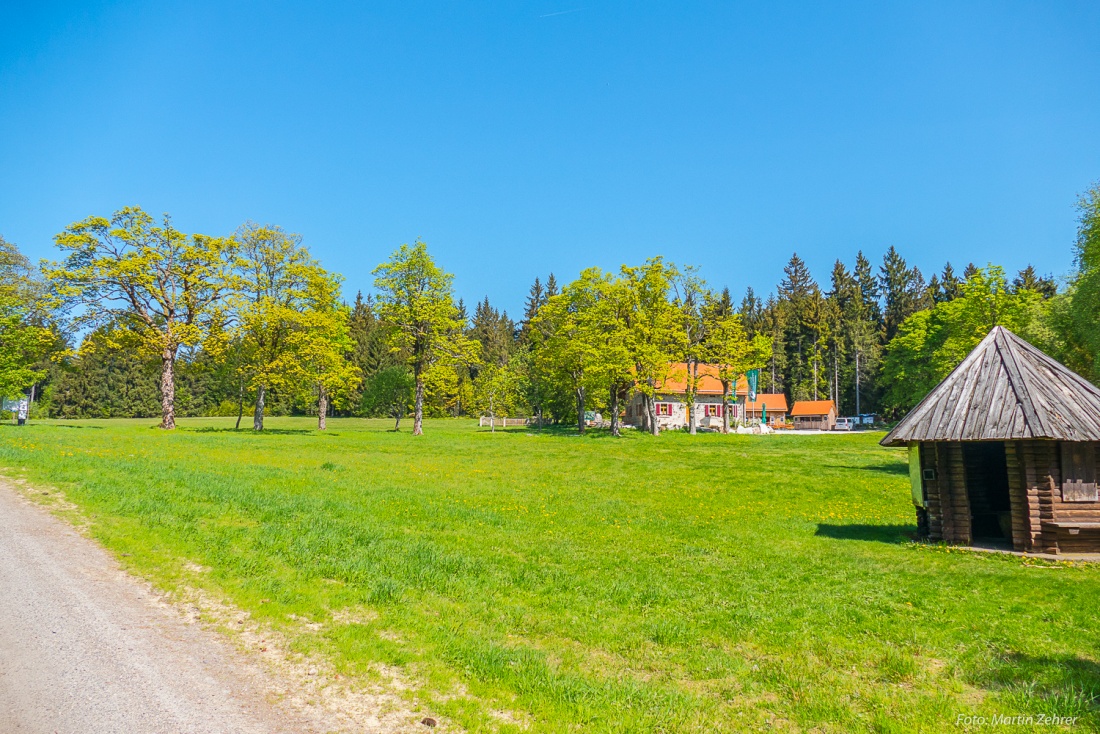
x,y
811,414
1005,450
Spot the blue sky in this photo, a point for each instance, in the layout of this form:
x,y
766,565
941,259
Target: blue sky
x,y
527,137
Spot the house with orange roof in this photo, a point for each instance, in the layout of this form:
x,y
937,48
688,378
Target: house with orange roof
x,y
814,414
710,402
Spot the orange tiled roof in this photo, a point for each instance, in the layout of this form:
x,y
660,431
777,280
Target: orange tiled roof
x,y
676,382
774,402
812,407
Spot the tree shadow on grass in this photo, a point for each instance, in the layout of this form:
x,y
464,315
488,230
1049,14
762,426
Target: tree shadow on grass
x,y
894,534
1056,685
48,425
250,432
897,468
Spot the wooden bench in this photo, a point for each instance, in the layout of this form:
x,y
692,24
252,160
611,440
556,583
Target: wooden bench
x,y
1073,527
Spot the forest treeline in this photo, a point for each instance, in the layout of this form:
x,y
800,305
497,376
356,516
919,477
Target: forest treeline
x,y
138,319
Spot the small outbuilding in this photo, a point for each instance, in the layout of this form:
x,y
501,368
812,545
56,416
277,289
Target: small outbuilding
x,y
811,414
770,407
1005,451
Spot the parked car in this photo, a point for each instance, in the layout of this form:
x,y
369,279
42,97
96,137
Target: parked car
x,y
845,424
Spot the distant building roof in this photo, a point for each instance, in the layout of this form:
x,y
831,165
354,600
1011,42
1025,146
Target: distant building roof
x,y
709,384
812,407
676,382
1005,389
774,402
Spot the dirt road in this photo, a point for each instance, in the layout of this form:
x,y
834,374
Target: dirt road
x,y
85,648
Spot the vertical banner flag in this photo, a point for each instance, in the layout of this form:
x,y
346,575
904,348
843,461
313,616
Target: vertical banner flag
x,y
753,378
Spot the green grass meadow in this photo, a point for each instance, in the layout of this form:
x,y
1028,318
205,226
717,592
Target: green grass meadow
x,y
679,583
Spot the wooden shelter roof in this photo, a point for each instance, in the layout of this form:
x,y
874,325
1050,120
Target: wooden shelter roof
x,y
1005,389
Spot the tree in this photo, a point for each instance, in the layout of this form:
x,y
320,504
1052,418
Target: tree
x,y
275,288
496,389
1028,280
389,392
732,352
696,305
158,284
571,337
903,290
25,337
932,342
1078,309
321,345
868,288
415,300
370,350
656,336
800,315
536,297
494,331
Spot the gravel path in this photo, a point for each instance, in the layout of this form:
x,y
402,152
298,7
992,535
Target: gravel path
x,y
85,648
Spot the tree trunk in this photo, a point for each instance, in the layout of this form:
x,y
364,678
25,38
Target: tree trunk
x,y
240,405
615,411
322,407
726,406
168,389
396,422
492,417
651,412
580,409
258,415
418,411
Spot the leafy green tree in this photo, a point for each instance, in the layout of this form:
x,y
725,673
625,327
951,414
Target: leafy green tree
x,y
496,391
656,334
158,284
1078,310
733,353
321,345
695,302
933,342
571,338
417,303
274,295
389,392
25,337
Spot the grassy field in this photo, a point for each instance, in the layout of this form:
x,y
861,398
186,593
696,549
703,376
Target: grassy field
x,y
707,583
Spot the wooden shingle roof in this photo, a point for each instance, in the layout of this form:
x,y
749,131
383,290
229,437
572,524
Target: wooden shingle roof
x,y
1004,389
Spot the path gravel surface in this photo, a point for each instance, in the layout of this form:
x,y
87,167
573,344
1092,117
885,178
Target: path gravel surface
x,y
86,648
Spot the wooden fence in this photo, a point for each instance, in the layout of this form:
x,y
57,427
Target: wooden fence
x,y
498,422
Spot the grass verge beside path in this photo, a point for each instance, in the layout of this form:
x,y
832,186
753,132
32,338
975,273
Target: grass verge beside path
x,y
707,583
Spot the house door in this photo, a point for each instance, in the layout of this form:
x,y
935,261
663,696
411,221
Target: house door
x,y
987,490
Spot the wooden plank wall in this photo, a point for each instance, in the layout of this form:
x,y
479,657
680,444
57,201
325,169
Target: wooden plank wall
x,y
960,503
1025,533
928,460
1035,494
1085,541
948,505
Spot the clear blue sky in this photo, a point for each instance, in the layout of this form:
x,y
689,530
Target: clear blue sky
x,y
519,138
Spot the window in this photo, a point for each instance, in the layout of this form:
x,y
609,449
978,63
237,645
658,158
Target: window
x,y
664,408
713,410
1078,472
